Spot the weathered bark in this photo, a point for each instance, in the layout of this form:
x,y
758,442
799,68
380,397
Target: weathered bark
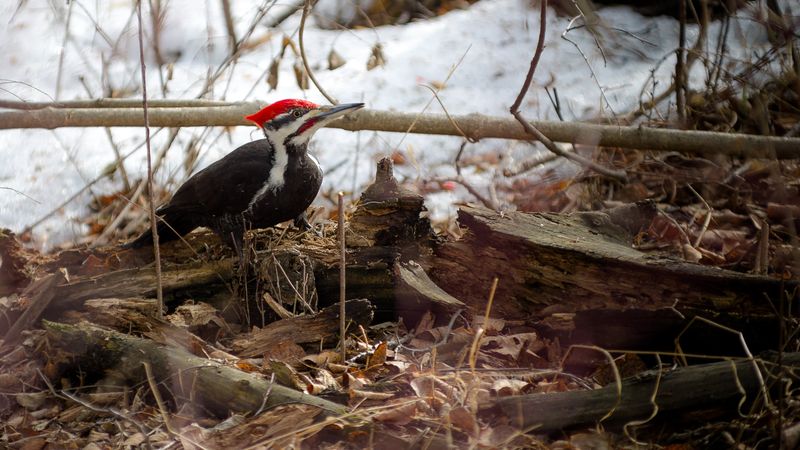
x,y
555,270
323,326
13,273
578,262
41,292
686,389
415,286
208,384
141,282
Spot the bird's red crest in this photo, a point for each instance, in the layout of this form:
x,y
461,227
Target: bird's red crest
x,y
271,111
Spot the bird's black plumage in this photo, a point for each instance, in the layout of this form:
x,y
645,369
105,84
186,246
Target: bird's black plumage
x,y
258,185
219,197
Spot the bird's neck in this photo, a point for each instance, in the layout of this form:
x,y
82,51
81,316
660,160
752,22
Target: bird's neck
x,y
282,152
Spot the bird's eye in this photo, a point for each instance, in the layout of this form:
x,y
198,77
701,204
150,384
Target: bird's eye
x,y
297,113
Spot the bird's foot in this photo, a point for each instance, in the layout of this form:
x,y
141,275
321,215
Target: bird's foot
x,y
302,223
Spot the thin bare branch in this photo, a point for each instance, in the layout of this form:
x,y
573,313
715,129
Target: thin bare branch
x,y
342,280
306,9
21,193
532,130
151,197
229,25
680,65
63,50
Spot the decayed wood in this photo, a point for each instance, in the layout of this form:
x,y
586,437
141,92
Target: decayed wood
x,y
416,291
578,262
13,267
322,326
141,282
123,314
686,389
219,388
547,264
41,293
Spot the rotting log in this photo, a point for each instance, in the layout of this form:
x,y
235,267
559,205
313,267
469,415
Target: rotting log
x,y
216,387
323,326
417,292
578,278
13,265
41,292
554,270
579,262
680,390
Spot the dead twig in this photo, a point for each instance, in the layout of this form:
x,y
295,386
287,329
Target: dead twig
x,y
476,126
342,279
306,9
680,65
706,221
21,193
229,25
153,224
63,50
112,411
530,129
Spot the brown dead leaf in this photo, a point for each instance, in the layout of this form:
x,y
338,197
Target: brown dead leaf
x,y
594,441
8,380
134,440
246,366
497,436
31,400
404,413
323,359
512,346
506,387
398,158
425,323
199,318
378,357
464,420
286,351
300,75
493,325
376,58
287,376
370,395
272,76
335,60
326,379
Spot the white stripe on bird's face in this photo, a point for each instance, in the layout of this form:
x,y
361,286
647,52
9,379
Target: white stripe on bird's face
x,y
280,156
280,160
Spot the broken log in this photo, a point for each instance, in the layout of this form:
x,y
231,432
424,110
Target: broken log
x,y
553,269
41,292
323,326
582,261
685,389
216,387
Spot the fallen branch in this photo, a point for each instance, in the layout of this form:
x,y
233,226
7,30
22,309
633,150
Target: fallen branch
x,y
217,387
306,329
686,389
475,126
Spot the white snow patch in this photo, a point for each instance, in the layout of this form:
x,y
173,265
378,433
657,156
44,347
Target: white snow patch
x,y
495,38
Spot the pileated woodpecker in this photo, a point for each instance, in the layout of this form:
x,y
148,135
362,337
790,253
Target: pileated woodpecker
x,y
258,185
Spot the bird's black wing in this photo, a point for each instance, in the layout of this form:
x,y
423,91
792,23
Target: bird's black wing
x,y
226,186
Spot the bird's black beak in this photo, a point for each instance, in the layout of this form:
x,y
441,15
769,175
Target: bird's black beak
x,y
331,112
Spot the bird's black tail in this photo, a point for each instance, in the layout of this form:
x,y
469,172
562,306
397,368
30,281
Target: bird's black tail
x,y
178,226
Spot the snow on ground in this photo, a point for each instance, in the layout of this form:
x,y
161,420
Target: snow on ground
x,y
489,44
